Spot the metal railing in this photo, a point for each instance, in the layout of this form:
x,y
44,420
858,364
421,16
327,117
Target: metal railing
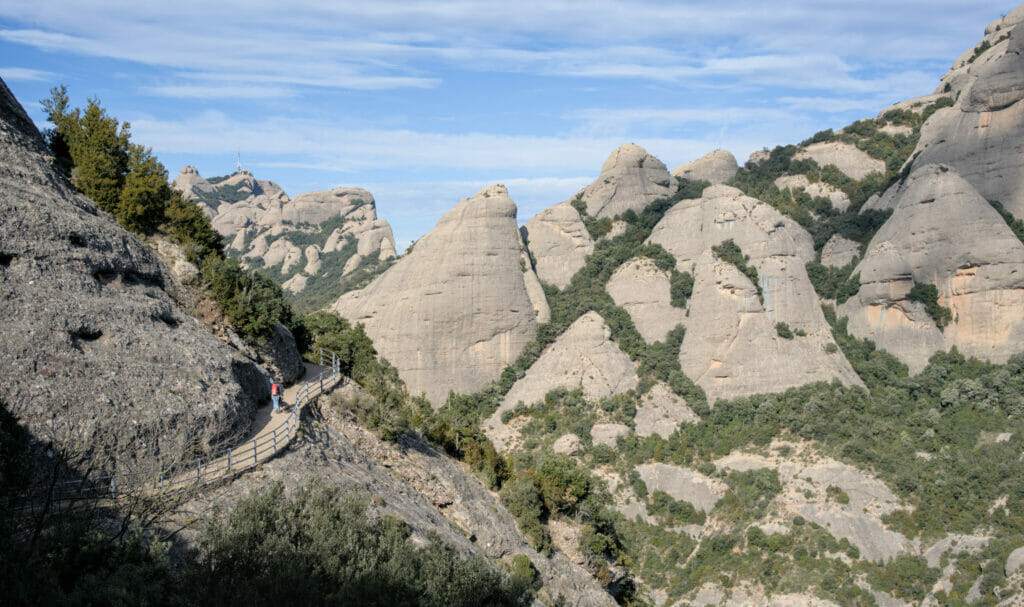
x,y
202,470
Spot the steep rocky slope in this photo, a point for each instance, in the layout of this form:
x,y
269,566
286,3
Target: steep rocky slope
x,y
98,356
455,311
559,242
434,495
317,245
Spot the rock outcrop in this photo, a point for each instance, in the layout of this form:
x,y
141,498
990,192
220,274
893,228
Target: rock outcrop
x,y
718,166
982,135
701,491
661,412
455,311
280,356
559,243
839,251
806,477
944,233
630,180
853,162
582,357
643,290
732,346
98,357
840,201
268,227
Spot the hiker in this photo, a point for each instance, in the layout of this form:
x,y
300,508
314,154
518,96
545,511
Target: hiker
x,y
275,394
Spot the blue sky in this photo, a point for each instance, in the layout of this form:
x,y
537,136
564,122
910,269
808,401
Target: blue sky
x,y
424,103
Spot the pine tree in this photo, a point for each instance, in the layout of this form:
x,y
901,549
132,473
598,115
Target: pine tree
x,y
145,192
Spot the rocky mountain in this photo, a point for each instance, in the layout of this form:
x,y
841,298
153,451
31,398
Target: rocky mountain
x,y
732,346
100,360
725,330
457,309
317,245
795,382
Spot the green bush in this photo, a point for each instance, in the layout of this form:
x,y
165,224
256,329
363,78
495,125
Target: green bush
x,y
681,288
252,302
783,330
318,547
929,295
729,252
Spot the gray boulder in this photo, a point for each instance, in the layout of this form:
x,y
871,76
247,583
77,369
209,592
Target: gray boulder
x,y
718,166
630,180
99,360
1015,561
942,232
839,251
455,311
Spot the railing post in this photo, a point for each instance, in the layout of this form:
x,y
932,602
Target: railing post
x,y
321,350
255,456
274,438
229,460
199,469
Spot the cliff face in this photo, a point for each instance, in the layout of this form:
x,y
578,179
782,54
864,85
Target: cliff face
x,y
981,134
942,232
97,356
732,346
455,311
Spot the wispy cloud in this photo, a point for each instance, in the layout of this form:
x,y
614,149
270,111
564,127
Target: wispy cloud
x,y
325,146
23,74
387,44
200,91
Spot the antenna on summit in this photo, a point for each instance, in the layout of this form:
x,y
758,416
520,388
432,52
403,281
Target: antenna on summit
x,y
239,164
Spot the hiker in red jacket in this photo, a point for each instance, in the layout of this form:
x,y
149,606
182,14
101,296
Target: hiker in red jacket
x,y
275,394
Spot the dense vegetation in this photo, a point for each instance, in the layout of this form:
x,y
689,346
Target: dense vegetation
x,y
127,181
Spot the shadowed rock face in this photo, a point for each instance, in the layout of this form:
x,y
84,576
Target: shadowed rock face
x,y
942,232
95,352
732,347
718,166
455,311
630,180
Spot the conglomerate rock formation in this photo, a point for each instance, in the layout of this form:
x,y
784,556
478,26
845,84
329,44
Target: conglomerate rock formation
x,y
455,311
98,359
